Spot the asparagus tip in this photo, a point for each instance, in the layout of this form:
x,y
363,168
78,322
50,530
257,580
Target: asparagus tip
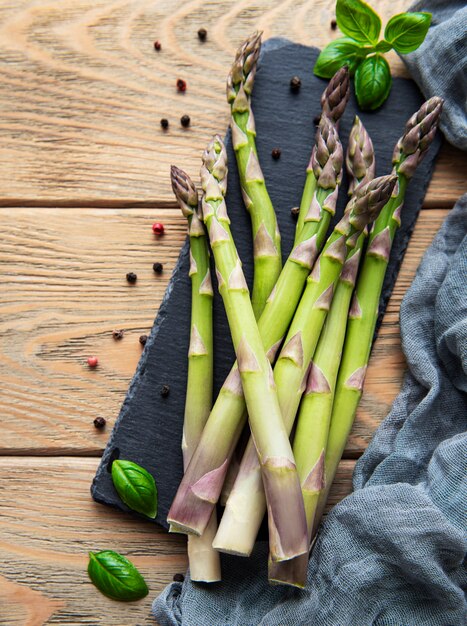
x,y
184,190
368,200
360,157
335,96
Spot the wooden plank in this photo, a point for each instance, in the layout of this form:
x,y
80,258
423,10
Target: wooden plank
x,y
83,90
48,523
64,291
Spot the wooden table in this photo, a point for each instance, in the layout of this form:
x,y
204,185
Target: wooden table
x,y
84,172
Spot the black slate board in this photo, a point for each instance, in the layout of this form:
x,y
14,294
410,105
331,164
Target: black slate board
x,y
149,427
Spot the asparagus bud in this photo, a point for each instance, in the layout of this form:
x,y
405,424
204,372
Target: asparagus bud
x,y
242,74
360,158
420,131
336,94
327,155
368,200
184,190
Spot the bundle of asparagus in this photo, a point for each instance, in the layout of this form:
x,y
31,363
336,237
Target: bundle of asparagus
x,y
321,364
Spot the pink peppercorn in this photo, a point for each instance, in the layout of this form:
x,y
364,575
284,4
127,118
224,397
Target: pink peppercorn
x,y
158,228
93,361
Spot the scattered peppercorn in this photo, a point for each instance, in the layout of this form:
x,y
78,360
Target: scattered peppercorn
x,y
276,153
164,123
93,361
158,268
295,84
157,45
165,391
294,212
158,228
143,339
202,34
100,422
117,334
181,84
333,24
316,120
131,278
185,121
178,578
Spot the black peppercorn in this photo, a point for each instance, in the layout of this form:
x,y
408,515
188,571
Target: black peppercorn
x,y
333,24
158,268
294,212
202,34
178,578
316,120
164,123
295,84
157,45
185,121
117,334
100,422
143,339
131,277
165,391
276,153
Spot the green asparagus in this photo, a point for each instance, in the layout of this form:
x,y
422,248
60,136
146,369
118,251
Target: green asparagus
x,y
204,560
266,238
409,151
286,515
228,415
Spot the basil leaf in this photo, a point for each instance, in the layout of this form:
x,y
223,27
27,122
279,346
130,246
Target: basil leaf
x,y
372,82
115,576
382,46
358,20
340,52
407,31
135,486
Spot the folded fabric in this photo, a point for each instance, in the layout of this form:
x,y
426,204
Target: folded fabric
x,y
393,552
439,66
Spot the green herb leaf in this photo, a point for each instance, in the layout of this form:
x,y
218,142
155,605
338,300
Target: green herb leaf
x,y
358,20
382,46
115,576
372,82
135,486
407,31
340,52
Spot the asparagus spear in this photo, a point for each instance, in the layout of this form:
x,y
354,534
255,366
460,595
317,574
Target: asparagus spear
x,y
228,415
408,153
333,102
316,405
246,505
266,237
204,560
286,515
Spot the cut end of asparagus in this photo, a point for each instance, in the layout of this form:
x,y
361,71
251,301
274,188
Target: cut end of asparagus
x,y
242,74
327,156
419,133
368,200
360,158
184,190
292,572
336,95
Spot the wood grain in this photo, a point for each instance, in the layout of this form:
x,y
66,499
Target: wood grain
x,y
64,291
82,92
46,533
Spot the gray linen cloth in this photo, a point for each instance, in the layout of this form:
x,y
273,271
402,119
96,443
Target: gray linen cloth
x,y
439,66
393,552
